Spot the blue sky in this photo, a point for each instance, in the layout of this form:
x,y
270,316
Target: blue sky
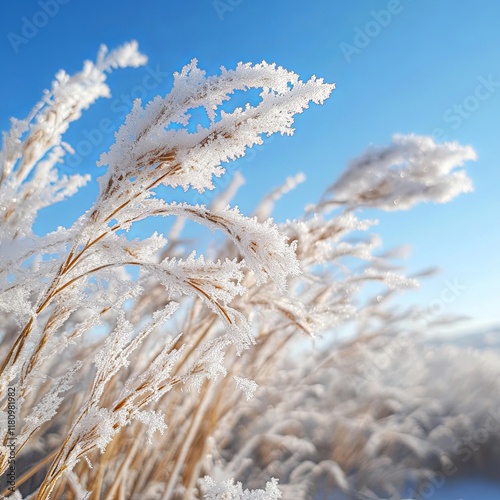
x,y
417,70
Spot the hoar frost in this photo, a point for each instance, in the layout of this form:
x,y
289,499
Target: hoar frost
x,y
109,339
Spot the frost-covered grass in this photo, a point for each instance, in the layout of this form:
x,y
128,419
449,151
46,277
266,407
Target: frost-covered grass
x,y
189,375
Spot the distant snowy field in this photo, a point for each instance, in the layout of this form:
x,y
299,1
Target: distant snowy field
x,y
472,488
400,411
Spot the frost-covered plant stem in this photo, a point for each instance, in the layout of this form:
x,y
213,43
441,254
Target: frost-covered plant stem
x,y
95,353
200,411
146,154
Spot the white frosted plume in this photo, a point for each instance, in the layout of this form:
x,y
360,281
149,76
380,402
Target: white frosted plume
x,y
410,170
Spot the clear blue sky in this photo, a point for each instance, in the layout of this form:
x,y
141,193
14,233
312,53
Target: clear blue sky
x,y
413,70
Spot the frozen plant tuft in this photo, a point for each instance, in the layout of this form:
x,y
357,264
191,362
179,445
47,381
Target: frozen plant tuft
x,y
128,357
410,170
